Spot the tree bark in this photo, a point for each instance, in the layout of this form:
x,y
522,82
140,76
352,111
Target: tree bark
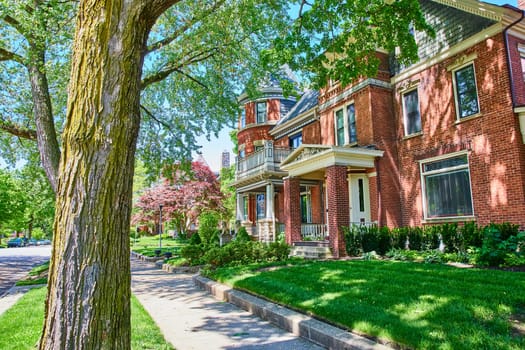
x,y
88,302
45,127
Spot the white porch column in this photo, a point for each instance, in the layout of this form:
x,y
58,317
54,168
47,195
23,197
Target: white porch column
x,y
240,214
269,201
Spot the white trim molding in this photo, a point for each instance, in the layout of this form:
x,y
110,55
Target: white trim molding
x,y
312,158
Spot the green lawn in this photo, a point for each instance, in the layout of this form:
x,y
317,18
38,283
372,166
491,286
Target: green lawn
x,y
415,305
20,326
148,244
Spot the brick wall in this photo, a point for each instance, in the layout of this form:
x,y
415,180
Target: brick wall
x,y
312,133
292,216
273,109
383,137
493,141
248,136
374,198
338,207
317,204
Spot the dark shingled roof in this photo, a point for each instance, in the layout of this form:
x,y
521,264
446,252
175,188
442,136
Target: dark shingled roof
x,y
307,101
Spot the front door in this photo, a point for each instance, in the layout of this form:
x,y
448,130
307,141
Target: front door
x,y
359,199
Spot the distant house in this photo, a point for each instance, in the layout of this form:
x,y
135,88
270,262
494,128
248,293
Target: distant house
x,y
442,140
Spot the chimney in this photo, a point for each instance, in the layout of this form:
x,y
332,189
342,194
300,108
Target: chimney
x,y
521,4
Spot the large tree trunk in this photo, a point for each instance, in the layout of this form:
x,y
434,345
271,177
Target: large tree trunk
x,y
88,303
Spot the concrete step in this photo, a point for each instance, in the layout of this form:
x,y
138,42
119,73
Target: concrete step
x,y
311,252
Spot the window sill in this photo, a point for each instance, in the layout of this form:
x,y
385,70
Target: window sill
x,y
411,136
474,116
448,219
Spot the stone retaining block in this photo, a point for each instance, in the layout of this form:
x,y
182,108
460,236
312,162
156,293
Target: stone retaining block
x,y
294,322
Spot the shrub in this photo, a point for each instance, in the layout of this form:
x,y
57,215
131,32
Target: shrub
x,y
399,238
472,235
278,251
242,235
353,241
245,252
193,253
195,239
415,238
430,237
208,226
451,238
502,243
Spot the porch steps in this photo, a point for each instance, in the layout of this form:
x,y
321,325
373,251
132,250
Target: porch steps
x,y
311,250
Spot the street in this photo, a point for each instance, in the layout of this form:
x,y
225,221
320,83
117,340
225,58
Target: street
x,y
16,262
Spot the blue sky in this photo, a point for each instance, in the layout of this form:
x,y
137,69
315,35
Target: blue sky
x,y
212,150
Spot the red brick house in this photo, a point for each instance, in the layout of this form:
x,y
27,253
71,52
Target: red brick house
x,y
442,140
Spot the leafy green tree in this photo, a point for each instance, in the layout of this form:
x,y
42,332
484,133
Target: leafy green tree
x,y
39,198
339,40
227,176
12,204
172,66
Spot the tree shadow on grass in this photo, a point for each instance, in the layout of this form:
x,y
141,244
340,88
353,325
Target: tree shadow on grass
x,y
415,305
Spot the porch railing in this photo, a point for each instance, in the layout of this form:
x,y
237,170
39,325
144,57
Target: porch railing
x,y
266,159
314,232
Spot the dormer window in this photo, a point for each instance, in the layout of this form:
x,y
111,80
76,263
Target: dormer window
x,y
260,112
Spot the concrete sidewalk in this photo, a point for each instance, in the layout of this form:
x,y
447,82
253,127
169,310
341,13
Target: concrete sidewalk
x,y
191,319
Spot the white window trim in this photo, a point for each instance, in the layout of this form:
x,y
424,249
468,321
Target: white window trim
x,y
405,124
242,118
265,112
245,209
454,85
344,108
423,188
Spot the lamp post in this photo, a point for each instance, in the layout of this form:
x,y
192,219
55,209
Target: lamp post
x,y
160,226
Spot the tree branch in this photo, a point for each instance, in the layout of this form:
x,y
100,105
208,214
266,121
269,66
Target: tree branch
x,y
166,125
166,71
6,55
155,8
17,130
189,23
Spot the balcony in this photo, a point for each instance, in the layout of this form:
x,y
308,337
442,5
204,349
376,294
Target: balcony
x,y
264,160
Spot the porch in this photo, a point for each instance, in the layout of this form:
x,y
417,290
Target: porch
x,y
309,232
266,159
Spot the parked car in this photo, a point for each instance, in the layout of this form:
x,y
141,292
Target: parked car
x,y
43,242
16,242
32,241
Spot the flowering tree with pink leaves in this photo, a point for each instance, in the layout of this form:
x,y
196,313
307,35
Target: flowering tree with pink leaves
x,y
184,196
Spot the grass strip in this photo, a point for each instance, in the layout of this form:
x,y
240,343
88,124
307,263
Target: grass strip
x,y
422,306
21,325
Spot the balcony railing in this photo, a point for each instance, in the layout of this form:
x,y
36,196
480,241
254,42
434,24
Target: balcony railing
x,y
266,159
314,232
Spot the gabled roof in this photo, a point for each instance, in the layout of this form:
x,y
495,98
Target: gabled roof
x,y
302,113
307,101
